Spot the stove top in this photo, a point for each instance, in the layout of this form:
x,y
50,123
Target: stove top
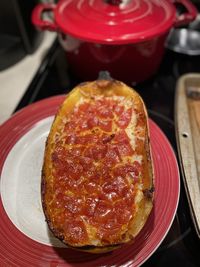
x,y
181,245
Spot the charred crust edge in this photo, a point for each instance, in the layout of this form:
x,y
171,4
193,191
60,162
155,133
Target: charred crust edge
x,y
148,193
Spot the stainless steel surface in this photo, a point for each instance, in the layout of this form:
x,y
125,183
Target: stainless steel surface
x,y
185,40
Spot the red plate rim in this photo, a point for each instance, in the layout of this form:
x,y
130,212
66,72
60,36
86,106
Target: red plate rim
x,y
16,248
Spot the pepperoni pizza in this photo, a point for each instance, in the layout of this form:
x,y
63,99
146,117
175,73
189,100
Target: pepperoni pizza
x,y
97,182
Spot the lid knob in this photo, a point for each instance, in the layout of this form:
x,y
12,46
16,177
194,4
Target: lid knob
x,y
114,2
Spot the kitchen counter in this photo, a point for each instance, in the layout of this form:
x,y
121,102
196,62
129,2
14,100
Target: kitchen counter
x,y
15,80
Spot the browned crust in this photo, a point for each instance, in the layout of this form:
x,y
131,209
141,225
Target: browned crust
x,y
146,203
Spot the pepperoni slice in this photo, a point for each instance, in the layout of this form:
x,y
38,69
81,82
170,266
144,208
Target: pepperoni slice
x,y
73,204
84,107
125,149
107,138
85,162
123,144
112,156
119,171
104,112
97,152
92,187
63,182
66,154
76,151
104,103
123,213
92,122
92,174
112,225
121,137
74,169
90,206
105,172
70,125
130,198
105,125
59,162
118,187
103,212
75,231
72,185
70,139
87,139
118,109
83,124
122,170
109,231
124,118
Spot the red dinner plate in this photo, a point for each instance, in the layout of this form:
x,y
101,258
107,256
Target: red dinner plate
x,y
17,249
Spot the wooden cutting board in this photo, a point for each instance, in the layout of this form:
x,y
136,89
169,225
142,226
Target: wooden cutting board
x,y
187,123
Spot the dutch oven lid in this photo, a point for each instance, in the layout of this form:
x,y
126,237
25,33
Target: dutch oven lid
x,y
114,21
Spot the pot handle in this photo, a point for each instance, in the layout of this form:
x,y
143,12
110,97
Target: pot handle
x,y
37,19
187,17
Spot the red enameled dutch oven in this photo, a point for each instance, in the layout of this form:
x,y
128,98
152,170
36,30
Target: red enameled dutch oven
x,y
124,37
